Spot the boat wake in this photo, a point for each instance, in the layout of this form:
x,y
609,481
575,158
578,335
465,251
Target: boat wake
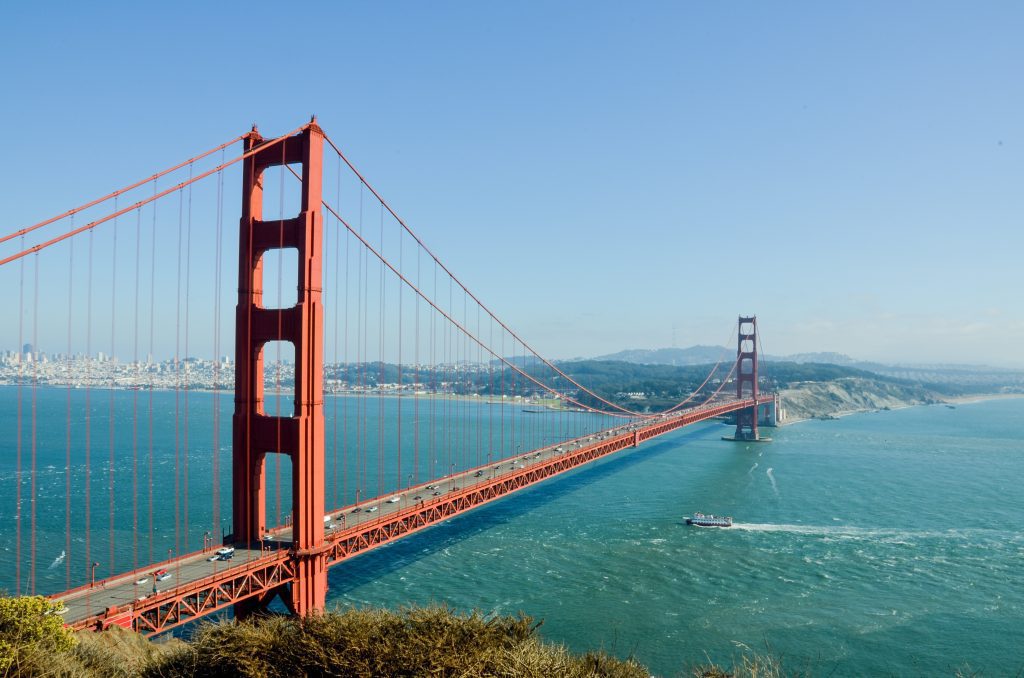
x,y
771,477
752,468
849,532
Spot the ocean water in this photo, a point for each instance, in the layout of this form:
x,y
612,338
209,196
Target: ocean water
x,y
889,543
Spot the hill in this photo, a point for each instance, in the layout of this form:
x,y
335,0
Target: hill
x,y
694,355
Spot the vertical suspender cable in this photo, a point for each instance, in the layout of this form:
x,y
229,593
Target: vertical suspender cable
x,y
502,389
337,361
110,422
150,366
18,444
398,401
348,379
360,366
185,384
490,394
135,397
418,378
478,388
67,423
35,389
380,380
88,409
218,267
364,324
447,387
177,387
466,418
432,460
466,386
514,392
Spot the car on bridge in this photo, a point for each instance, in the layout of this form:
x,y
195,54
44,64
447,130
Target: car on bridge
x,y
162,574
225,550
371,509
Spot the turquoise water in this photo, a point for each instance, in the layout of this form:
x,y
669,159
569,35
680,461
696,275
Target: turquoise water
x,y
130,437
884,543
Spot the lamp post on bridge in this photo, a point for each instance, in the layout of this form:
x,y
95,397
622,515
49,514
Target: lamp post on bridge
x,y
92,574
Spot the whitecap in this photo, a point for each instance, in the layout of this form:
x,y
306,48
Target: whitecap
x,y
57,561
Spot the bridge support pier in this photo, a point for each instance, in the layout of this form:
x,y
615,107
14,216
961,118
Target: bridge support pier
x,y
255,433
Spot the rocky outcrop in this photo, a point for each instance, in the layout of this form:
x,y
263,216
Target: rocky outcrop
x,y
824,400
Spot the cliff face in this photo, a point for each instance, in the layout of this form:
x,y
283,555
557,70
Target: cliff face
x,y
808,400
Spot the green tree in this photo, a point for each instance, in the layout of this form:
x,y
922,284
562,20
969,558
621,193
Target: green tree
x,y
30,627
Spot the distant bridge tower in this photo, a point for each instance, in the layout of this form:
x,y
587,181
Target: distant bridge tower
x,y
746,378
301,435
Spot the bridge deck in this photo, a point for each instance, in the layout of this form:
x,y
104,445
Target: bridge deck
x,y
198,585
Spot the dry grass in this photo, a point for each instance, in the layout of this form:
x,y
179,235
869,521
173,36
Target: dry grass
x,y
415,642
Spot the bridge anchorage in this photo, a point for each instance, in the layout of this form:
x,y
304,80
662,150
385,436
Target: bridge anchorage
x,y
485,414
765,414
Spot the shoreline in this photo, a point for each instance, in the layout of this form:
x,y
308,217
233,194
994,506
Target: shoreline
x,y
956,400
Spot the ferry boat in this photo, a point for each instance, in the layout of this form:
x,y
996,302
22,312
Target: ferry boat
x,y
701,520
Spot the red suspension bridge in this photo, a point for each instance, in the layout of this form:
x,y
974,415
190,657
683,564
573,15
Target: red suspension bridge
x,y
374,394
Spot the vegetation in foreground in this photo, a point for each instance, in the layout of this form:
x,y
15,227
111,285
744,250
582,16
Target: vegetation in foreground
x,y
430,641
414,642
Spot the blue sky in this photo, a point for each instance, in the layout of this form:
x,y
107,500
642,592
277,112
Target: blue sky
x,y
603,175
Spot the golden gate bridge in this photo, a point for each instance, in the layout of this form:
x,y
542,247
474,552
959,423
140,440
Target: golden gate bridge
x,y
373,394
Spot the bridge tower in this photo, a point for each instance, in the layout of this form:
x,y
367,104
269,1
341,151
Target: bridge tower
x,y
746,377
300,436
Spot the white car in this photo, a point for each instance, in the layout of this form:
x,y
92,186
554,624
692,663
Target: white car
x,y
213,558
225,550
371,509
394,500
139,582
